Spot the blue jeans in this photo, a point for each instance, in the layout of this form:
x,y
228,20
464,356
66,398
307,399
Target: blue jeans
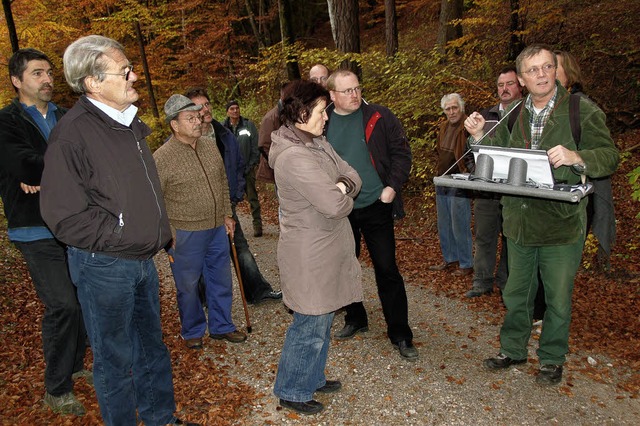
x,y
255,285
454,225
375,224
203,253
131,364
304,357
63,333
557,266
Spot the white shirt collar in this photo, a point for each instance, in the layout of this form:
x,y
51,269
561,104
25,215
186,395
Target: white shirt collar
x,y
123,117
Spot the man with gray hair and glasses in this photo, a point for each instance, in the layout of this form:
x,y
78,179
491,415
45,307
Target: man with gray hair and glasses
x,y
545,237
101,196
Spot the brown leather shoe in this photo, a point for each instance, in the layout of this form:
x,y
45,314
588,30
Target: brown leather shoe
x,y
445,266
194,343
233,336
461,272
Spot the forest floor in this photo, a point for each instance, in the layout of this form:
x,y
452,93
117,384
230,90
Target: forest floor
x,y
232,383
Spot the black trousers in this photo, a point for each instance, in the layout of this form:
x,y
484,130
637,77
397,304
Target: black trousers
x,y
375,224
63,331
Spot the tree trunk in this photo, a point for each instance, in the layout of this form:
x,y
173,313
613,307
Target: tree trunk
x,y
147,75
345,26
254,26
516,24
391,27
286,33
449,10
11,26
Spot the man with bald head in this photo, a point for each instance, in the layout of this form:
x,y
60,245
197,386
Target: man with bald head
x,y
319,74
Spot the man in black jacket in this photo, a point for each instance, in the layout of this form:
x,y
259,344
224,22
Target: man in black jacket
x,y
101,196
25,125
371,139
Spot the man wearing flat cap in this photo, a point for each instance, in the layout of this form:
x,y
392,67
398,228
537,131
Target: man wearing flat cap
x,y
196,193
247,135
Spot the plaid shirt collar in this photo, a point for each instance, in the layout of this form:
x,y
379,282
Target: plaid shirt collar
x,y
538,121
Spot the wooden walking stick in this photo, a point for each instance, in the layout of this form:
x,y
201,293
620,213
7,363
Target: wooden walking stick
x,y
244,300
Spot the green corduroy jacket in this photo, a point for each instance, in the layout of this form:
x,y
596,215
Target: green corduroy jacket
x,y
542,222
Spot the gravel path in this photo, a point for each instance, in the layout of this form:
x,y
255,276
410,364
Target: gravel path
x,y
446,385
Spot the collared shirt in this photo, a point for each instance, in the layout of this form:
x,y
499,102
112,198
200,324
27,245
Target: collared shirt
x,y
123,117
45,123
538,120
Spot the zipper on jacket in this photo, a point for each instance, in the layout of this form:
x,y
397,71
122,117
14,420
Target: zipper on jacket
x,y
146,172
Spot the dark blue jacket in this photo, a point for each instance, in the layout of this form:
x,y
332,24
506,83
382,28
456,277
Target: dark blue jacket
x,y
233,161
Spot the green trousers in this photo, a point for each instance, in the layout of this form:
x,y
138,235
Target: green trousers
x,y
557,266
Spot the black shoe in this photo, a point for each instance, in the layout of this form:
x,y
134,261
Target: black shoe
x,y
502,361
550,374
270,295
349,331
180,422
477,291
407,350
309,407
330,386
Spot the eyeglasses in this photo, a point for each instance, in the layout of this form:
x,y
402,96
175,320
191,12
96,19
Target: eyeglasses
x,y
127,71
533,71
351,91
194,119
319,79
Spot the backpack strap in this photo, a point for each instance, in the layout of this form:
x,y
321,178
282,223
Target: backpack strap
x,y
513,116
574,118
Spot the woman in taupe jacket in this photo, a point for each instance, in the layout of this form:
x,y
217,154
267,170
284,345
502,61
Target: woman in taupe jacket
x,y
319,272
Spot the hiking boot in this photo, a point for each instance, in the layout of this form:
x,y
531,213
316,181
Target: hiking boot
x,y
502,361
477,292
86,374
550,374
64,404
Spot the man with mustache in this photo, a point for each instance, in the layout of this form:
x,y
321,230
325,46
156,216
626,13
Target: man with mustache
x,y
486,205
25,125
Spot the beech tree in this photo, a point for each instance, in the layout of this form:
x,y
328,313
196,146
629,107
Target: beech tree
x,y
450,10
344,16
391,27
11,27
286,31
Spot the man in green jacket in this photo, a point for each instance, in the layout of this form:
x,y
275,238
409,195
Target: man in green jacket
x,y
544,236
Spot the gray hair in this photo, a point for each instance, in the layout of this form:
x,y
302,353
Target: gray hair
x,y
452,97
84,57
